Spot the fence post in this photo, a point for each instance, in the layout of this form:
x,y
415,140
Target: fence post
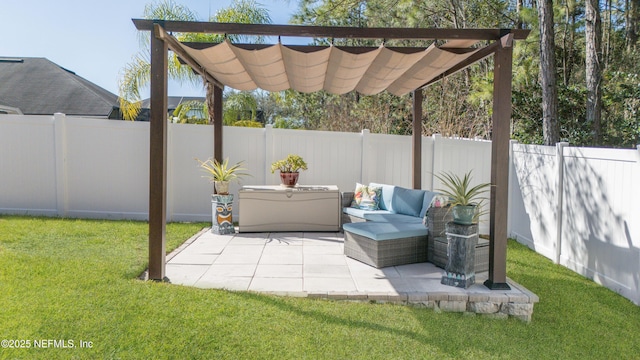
x,y
512,181
364,162
60,141
268,151
436,164
170,177
559,196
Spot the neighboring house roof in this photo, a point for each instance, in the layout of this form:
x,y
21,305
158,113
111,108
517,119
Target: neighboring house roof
x,y
38,86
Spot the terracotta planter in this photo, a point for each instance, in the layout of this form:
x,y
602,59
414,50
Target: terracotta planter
x,y
289,179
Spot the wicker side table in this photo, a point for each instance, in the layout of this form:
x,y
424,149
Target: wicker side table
x,y
436,219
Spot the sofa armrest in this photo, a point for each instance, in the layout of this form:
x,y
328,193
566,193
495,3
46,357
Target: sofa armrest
x,y
347,198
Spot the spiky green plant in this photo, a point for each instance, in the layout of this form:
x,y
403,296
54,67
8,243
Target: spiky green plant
x,y
459,191
221,171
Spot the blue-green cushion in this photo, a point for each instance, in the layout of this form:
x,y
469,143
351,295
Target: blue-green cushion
x,y
380,231
428,197
407,201
392,218
361,213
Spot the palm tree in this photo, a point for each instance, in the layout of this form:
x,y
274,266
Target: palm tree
x,y
136,74
236,106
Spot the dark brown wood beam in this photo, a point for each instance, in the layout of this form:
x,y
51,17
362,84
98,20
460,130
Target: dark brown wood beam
x,y
480,55
416,138
217,123
339,32
500,165
158,160
314,48
177,48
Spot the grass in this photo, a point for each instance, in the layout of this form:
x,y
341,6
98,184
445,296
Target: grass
x,y
75,280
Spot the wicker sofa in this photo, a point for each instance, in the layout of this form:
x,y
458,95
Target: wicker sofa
x,y
392,235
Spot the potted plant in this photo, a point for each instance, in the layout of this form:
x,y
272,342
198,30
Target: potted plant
x,y
220,173
465,201
289,169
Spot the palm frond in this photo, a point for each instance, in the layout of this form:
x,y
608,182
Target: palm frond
x,y
134,76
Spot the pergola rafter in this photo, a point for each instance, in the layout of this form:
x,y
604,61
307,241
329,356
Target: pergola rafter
x,y
202,59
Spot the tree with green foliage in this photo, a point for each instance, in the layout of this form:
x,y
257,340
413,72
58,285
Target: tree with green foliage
x,y
136,75
240,108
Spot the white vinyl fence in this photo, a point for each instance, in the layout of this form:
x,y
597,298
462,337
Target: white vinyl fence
x,y
576,206
77,167
580,207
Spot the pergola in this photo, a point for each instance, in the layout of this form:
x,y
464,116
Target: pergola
x,y
368,70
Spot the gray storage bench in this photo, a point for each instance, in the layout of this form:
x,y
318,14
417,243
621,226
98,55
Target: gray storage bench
x,y
382,244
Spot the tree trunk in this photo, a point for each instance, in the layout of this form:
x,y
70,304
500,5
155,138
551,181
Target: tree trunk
x,y
632,15
210,102
593,57
550,128
519,7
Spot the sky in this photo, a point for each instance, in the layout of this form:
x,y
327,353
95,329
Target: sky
x,y
96,39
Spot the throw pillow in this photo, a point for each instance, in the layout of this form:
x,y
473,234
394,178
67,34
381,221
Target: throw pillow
x,y
366,197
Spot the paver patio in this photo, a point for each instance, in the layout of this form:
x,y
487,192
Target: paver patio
x,y
312,264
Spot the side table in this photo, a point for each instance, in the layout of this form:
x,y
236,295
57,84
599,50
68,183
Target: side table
x,y
460,268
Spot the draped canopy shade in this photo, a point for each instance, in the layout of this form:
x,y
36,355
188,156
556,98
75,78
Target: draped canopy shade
x,y
335,69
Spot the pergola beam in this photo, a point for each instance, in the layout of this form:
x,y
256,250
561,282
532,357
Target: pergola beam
x,y
175,46
340,32
480,55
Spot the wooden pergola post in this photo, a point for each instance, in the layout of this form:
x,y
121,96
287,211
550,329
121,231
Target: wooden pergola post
x,y
217,123
500,164
416,139
158,159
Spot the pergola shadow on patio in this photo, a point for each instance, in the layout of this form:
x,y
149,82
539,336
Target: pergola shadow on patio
x,y
338,70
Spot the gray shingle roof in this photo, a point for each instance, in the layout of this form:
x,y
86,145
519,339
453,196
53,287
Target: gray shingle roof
x,y
38,86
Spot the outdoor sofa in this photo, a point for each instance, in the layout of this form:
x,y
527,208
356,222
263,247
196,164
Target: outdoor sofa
x,y
388,230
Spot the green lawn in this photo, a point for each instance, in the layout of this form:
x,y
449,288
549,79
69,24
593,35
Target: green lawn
x,y
75,280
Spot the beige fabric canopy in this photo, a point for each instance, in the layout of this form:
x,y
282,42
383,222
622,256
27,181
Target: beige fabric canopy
x,y
333,69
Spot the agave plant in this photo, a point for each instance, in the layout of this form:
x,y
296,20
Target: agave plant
x,y
221,171
459,191
461,194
